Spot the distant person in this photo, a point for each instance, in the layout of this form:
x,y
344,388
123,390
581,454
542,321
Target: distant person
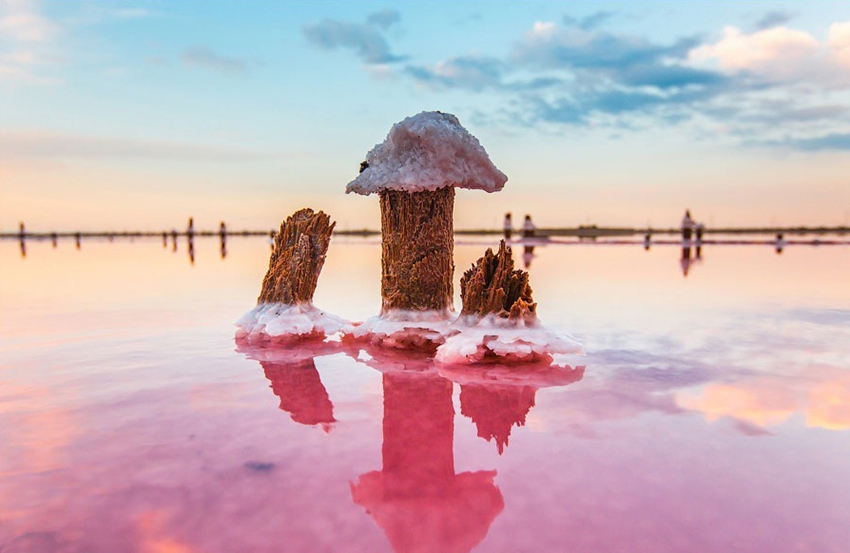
x,y
508,226
688,225
780,243
700,228
528,228
647,240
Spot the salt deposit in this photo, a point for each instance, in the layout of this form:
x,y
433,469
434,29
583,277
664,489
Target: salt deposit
x,y
404,329
277,322
492,338
427,151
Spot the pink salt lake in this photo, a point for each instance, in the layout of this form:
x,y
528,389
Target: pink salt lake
x,y
710,413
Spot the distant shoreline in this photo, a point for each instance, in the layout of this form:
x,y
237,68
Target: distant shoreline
x,y
591,231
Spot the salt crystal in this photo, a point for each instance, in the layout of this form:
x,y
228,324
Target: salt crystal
x,y
428,151
278,322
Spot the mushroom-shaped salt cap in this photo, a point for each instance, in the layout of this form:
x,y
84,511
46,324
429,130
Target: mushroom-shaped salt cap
x,y
415,172
427,151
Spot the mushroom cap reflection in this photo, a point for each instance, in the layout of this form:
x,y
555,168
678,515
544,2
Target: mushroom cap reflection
x,y
416,498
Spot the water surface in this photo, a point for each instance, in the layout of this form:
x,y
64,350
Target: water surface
x,y
710,413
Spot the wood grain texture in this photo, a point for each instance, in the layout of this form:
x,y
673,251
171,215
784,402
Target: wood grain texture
x,y
493,287
297,258
417,248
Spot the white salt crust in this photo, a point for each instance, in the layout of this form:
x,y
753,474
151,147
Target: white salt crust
x,y
404,329
428,151
270,322
493,338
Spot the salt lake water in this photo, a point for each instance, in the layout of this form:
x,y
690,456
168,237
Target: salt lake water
x,y
710,412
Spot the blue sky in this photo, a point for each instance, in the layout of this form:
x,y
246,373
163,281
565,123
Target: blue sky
x,y
137,114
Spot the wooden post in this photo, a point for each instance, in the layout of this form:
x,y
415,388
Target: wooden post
x,y
492,287
417,245
297,258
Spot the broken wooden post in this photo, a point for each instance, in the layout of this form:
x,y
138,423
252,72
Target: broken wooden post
x,y
493,288
498,322
285,308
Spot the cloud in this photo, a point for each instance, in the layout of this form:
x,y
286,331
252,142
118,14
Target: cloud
x,y
205,58
384,18
28,38
50,145
669,76
591,21
132,13
469,72
21,22
757,51
773,19
775,86
839,42
547,45
835,141
365,39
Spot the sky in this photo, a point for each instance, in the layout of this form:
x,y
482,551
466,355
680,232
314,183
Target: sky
x,y
137,114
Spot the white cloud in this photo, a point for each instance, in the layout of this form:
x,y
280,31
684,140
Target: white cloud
x,y
542,29
738,50
839,41
27,39
20,21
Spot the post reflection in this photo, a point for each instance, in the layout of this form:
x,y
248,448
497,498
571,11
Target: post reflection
x,y
295,380
190,239
416,498
527,256
222,234
498,397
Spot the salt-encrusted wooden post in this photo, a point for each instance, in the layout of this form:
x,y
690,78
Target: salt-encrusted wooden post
x,y
285,309
415,171
499,317
298,258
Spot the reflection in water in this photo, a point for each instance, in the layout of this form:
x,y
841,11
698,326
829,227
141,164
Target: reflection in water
x,y
222,234
528,256
647,241
498,397
416,498
685,261
496,409
295,380
78,239
23,244
173,240
780,243
301,392
190,238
